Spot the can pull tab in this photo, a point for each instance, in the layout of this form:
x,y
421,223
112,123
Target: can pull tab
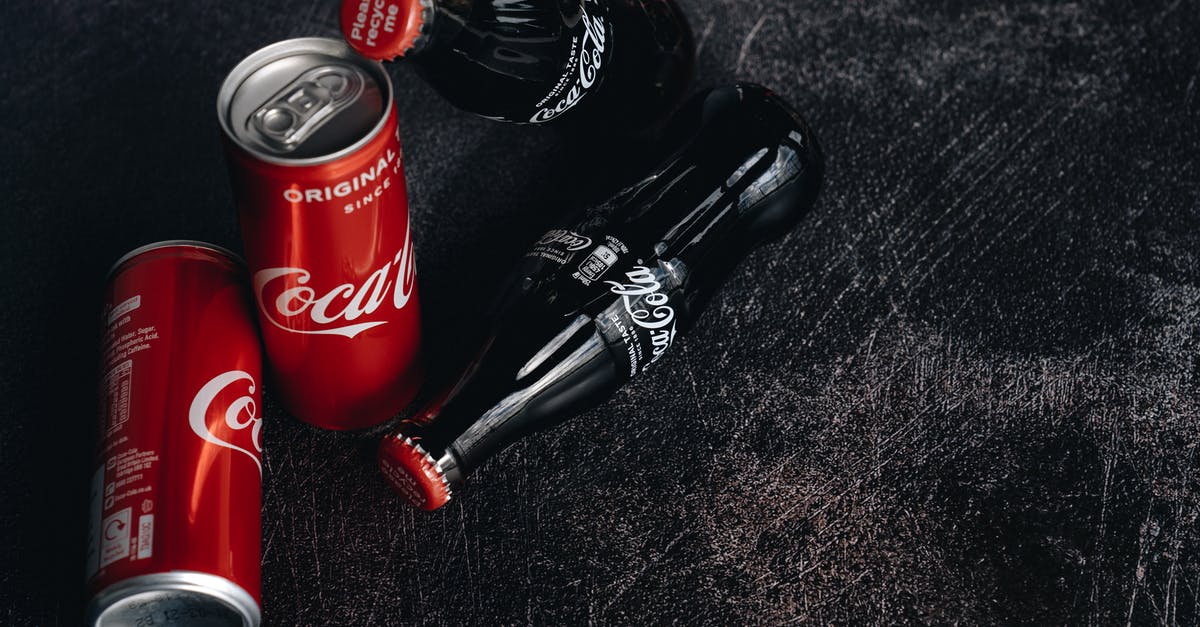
x,y
291,116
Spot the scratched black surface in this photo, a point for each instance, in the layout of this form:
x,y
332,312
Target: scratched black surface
x,y
965,388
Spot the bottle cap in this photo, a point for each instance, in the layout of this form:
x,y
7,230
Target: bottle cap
x,y
384,29
413,473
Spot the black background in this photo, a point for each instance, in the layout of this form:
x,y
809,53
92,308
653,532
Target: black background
x,y
965,388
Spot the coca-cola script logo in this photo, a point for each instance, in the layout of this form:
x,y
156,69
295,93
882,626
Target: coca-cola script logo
x,y
284,294
569,239
648,307
240,415
591,59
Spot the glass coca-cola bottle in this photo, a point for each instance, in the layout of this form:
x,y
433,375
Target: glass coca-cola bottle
x,y
624,63
600,299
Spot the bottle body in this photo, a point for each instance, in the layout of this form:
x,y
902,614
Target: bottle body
x,y
623,62
602,298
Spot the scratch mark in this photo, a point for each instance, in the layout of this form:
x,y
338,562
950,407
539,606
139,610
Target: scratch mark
x,y
695,389
1110,460
746,42
1171,602
1190,94
316,549
1139,571
708,28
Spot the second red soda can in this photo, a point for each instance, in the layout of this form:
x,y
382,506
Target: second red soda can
x,y
314,154
174,535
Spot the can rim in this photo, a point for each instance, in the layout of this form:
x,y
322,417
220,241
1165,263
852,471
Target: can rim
x,y
286,48
218,588
175,243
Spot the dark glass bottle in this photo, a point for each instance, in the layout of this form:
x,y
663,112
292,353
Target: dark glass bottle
x,y
625,63
598,301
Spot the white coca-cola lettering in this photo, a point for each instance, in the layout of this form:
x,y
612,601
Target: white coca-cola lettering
x,y
591,60
648,307
342,189
572,240
329,313
239,415
640,295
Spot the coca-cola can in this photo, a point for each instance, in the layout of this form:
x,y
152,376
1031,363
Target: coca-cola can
x,y
314,153
176,495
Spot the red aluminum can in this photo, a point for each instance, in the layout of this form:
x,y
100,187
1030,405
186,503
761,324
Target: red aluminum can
x,y
175,518
314,153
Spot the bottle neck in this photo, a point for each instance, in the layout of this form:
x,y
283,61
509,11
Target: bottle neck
x,y
444,20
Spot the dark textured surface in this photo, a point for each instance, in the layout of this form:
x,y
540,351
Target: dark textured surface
x,y
964,389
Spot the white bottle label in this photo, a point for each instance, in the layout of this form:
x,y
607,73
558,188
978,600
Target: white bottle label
x,y
583,71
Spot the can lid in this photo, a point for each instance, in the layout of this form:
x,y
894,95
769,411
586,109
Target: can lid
x,y
413,473
189,244
385,29
304,101
199,598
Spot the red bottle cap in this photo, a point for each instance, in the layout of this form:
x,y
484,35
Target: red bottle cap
x,y
413,473
383,29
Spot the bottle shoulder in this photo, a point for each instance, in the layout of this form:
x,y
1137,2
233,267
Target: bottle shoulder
x,y
540,61
500,59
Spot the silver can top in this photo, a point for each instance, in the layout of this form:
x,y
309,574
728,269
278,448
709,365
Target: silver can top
x,y
174,598
304,101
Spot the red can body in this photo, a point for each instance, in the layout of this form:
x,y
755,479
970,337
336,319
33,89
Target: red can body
x,y
176,494
329,246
